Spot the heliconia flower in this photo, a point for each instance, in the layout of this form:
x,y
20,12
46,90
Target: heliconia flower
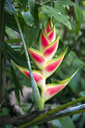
x,y
39,78
48,26
53,64
37,57
52,89
50,50
48,44
44,41
51,34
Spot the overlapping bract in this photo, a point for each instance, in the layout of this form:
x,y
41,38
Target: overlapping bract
x,y
43,58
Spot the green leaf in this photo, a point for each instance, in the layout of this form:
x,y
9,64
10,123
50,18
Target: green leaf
x,y
77,18
18,87
5,111
82,121
14,41
74,84
76,117
11,22
27,30
60,17
66,122
77,13
31,33
82,80
10,54
28,18
22,3
56,124
29,24
7,7
60,8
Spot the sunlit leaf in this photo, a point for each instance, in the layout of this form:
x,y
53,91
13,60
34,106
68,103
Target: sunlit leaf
x,y
10,22
77,13
7,6
31,32
28,18
60,17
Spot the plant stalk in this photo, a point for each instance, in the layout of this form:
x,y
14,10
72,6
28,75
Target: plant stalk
x,y
59,115
54,111
44,116
63,113
31,116
37,98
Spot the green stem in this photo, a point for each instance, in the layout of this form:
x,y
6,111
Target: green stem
x,y
68,111
63,113
52,112
52,118
37,98
60,108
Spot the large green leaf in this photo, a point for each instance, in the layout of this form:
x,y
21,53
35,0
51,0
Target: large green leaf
x,y
10,22
10,54
77,12
31,32
28,18
7,7
57,14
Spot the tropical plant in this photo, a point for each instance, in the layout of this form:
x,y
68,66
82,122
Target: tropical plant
x,y
48,43
38,43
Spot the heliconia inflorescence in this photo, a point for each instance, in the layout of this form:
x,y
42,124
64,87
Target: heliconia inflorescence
x,y
43,58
